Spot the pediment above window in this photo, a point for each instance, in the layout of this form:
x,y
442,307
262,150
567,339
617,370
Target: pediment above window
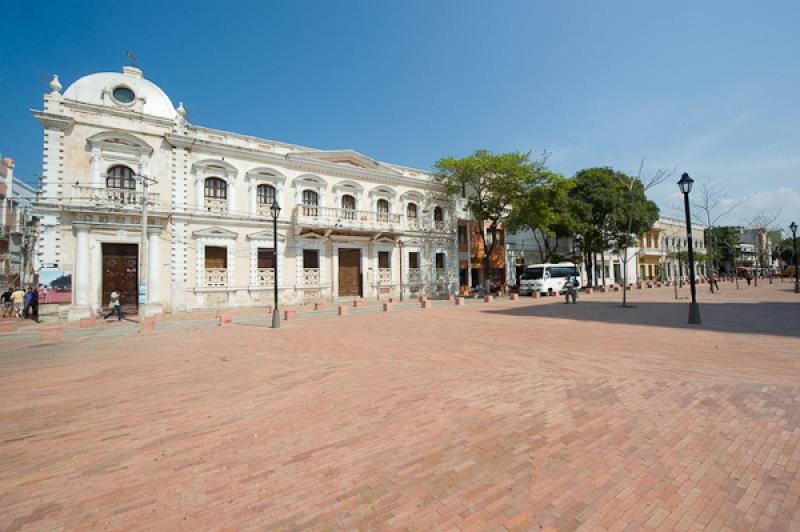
x,y
347,158
265,235
119,141
214,232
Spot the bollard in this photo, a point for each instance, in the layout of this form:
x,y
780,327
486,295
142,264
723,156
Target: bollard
x,y
487,299
513,297
87,323
319,306
342,310
51,334
225,320
604,289
459,301
536,295
358,303
289,315
425,303
387,307
450,297
588,290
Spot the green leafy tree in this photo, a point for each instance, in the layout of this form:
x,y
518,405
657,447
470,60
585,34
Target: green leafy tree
x,y
545,208
492,183
597,198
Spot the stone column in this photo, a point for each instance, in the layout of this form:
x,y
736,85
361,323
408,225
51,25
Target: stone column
x,y
81,285
153,266
251,197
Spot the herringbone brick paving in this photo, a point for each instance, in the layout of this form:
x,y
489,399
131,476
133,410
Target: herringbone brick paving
x,y
511,415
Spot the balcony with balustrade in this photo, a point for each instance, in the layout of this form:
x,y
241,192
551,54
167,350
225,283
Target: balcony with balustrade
x,y
216,277
265,277
414,276
335,218
111,198
311,277
215,206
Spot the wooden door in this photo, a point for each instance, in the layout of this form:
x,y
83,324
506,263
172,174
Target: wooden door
x,y
120,273
349,272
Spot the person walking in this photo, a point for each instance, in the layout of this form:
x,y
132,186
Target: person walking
x,y
7,304
18,298
27,301
570,290
35,304
116,306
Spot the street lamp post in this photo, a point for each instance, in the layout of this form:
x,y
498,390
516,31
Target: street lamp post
x,y
275,210
793,228
685,185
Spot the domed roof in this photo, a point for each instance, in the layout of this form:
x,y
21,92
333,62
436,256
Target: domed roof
x,y
122,90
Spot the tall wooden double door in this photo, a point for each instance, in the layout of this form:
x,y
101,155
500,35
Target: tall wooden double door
x,y
350,272
120,273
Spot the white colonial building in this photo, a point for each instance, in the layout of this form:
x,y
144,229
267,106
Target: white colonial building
x,y
349,226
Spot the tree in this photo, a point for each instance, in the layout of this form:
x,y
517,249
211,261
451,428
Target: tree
x,y
726,247
616,209
545,208
491,183
710,204
596,198
640,212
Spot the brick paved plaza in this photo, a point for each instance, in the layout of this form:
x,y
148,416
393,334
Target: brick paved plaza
x,y
514,415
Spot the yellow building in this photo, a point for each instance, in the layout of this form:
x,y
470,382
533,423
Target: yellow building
x,y
662,250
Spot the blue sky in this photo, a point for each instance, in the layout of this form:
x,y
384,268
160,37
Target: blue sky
x,y
711,88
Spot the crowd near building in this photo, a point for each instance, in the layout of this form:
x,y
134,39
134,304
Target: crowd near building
x,y
349,226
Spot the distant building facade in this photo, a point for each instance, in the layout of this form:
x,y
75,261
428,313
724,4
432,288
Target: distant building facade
x,y
17,228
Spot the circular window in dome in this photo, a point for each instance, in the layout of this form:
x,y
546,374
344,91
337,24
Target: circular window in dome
x,y
123,94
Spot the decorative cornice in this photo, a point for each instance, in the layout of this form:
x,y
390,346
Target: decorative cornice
x,y
122,113
52,120
297,162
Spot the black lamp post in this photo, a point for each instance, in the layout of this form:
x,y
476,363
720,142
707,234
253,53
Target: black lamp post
x,y
685,185
275,210
793,228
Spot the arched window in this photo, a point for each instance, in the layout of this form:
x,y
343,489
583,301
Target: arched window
x,y
265,194
216,188
438,219
383,210
411,211
349,206
120,177
310,202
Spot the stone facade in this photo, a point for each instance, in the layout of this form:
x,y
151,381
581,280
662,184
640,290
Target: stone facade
x,y
210,238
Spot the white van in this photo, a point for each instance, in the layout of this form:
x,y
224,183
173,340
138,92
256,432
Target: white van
x,y
547,278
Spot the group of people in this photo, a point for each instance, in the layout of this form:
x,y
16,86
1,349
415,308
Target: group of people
x,y
21,303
